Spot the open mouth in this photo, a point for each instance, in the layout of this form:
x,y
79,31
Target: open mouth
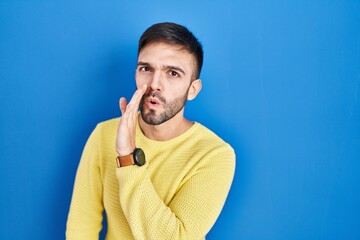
x,y
153,102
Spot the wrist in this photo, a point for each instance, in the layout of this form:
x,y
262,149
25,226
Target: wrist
x,y
137,157
125,152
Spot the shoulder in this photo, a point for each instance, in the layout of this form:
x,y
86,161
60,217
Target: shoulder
x,y
214,152
210,140
205,134
106,130
110,123
108,126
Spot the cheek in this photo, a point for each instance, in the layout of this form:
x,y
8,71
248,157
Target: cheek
x,y
142,79
176,91
139,81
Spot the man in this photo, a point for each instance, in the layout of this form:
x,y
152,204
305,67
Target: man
x,y
166,177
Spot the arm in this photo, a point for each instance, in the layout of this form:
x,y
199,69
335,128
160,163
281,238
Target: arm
x,y
85,215
194,209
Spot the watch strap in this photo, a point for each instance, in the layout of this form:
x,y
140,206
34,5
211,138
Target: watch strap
x,y
125,160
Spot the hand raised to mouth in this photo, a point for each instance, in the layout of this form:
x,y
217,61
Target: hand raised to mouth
x,y
125,139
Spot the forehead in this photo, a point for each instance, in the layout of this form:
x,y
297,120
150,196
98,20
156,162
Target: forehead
x,y
167,54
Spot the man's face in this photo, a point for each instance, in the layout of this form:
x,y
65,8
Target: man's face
x,y
167,70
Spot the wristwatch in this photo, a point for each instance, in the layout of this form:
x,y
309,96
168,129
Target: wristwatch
x,y
135,158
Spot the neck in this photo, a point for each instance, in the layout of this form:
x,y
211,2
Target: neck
x,y
167,130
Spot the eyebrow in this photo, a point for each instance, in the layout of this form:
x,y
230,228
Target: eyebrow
x,y
163,67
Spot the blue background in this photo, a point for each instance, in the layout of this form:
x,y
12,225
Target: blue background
x,y
281,83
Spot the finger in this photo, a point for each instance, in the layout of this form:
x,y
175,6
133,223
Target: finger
x,y
122,105
129,111
137,95
133,105
142,91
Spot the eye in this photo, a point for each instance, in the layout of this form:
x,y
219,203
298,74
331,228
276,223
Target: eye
x,y
174,74
144,69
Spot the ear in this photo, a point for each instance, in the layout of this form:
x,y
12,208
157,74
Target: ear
x,y
194,89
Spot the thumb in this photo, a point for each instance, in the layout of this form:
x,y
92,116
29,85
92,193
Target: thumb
x,y
122,105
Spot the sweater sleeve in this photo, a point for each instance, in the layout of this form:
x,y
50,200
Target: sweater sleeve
x,y
193,210
85,214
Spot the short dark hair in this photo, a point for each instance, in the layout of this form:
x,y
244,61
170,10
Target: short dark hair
x,y
175,34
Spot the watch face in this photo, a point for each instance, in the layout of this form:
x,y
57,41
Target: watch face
x,y
139,157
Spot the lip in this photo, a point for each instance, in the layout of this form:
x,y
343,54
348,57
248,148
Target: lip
x,y
152,102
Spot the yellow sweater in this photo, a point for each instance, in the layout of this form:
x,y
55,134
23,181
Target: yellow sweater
x,y
177,194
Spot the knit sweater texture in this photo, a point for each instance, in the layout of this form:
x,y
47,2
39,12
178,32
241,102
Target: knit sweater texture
x,y
178,194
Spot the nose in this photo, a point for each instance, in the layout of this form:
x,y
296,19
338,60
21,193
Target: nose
x,y
156,81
